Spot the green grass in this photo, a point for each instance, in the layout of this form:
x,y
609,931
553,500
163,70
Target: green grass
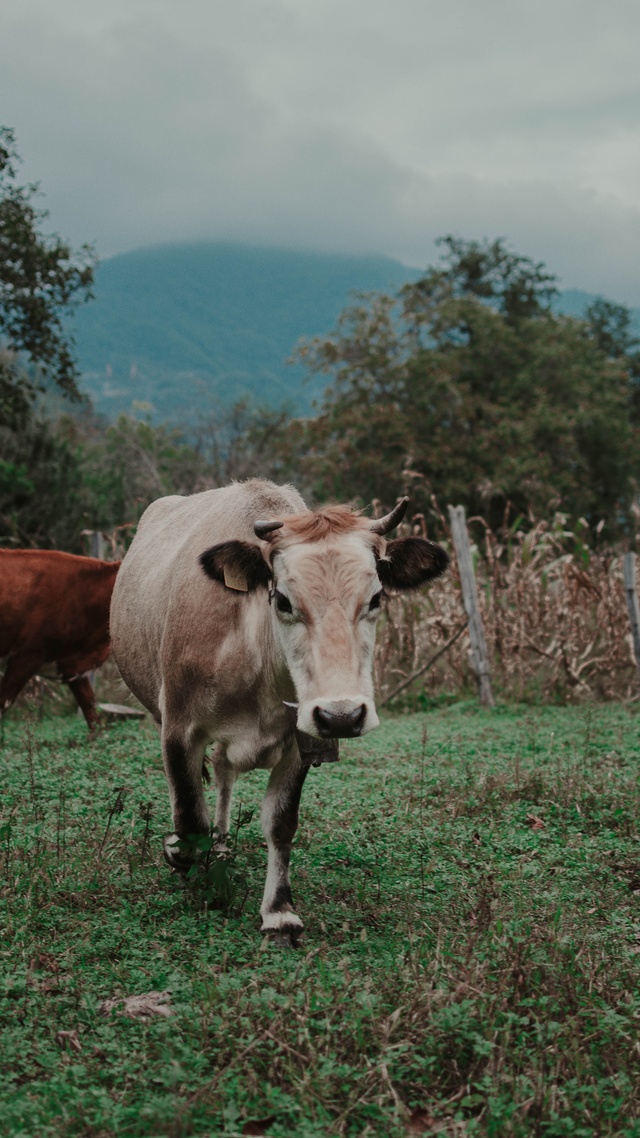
x,y
470,884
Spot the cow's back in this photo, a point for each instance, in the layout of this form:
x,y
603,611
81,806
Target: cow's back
x,y
55,603
164,606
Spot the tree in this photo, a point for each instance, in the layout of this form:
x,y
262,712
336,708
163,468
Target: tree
x,y
41,281
611,327
43,502
61,476
130,464
241,441
469,385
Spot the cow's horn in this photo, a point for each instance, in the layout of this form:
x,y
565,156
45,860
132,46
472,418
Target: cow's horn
x,y
292,712
390,521
263,528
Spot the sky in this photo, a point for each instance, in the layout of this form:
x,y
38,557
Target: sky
x,y
339,125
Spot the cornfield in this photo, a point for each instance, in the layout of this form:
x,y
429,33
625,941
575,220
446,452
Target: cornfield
x,y
554,614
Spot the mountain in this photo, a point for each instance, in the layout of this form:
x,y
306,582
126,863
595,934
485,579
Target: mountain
x,y
184,327
574,302
179,329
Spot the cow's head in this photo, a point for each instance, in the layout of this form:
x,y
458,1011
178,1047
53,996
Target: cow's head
x,y
326,573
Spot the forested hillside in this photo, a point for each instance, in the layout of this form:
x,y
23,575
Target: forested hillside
x,y
183,326
465,383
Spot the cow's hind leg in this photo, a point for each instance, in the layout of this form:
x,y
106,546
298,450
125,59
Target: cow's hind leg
x,y
183,759
18,672
279,823
82,689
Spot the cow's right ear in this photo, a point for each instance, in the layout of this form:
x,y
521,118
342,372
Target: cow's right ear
x,y
236,564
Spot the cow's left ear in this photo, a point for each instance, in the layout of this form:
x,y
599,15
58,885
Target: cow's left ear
x,y
237,564
410,562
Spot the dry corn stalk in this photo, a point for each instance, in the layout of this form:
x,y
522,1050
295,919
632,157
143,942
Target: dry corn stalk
x,y
554,614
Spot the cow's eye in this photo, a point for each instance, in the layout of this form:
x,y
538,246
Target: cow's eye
x,y
374,603
283,604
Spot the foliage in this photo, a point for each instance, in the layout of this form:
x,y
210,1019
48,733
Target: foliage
x,y
130,464
469,385
466,383
41,280
240,441
61,474
41,497
470,966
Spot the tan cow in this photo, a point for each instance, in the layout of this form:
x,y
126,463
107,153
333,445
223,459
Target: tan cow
x,y
232,603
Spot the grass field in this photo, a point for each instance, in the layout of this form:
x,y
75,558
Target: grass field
x,y
470,884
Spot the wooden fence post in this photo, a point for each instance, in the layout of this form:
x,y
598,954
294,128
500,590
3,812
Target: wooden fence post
x,y
96,549
96,545
479,656
631,590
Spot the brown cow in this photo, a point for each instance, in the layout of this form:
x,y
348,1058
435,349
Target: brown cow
x,y
234,603
54,609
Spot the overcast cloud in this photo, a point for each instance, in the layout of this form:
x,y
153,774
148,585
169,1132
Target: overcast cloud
x,y
354,125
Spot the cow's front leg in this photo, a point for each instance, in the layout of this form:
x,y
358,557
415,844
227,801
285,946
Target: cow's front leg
x,y
183,760
279,823
225,777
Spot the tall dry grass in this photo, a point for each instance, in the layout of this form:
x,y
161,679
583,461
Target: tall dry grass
x,y
554,614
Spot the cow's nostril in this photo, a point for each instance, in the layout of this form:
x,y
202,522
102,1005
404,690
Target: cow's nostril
x,y
323,719
341,725
359,718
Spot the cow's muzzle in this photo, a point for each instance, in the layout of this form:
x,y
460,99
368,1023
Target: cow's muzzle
x,y
339,724
336,718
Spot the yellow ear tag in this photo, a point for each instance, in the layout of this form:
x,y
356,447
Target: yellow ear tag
x,y
235,581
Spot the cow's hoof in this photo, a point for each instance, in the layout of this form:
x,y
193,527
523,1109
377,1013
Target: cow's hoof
x,y
286,928
177,858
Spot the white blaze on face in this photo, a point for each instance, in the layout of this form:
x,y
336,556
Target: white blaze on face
x,y
325,605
